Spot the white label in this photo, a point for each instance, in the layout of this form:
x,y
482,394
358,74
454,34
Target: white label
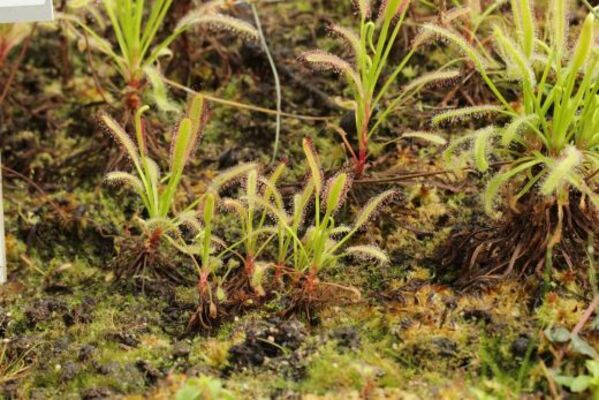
x,y
25,10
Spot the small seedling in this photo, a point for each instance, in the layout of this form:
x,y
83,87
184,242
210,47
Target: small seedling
x,y
158,193
139,48
366,78
311,246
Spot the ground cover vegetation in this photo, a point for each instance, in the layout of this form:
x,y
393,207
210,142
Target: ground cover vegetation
x,y
440,244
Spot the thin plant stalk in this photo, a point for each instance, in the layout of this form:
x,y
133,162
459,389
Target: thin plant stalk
x,y
277,80
3,272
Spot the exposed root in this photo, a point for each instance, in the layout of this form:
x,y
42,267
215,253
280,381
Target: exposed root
x,y
311,295
520,243
145,262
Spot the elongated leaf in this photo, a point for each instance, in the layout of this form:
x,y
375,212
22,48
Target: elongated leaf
x,y
561,169
368,253
437,31
231,174
349,37
218,21
427,136
124,178
465,112
481,143
122,138
330,62
518,125
313,164
336,192
372,207
584,45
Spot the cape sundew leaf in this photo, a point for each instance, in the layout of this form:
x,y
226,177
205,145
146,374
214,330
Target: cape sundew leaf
x,y
121,137
218,21
190,220
153,172
516,127
368,253
349,37
125,178
433,77
558,23
372,207
251,187
515,56
427,136
209,207
183,143
561,169
232,174
481,143
364,7
313,164
197,114
159,91
585,43
336,192
499,180
331,62
454,38
465,112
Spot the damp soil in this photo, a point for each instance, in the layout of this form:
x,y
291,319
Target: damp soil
x,y
73,325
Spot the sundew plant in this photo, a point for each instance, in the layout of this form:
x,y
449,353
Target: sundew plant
x,y
136,25
310,243
158,192
551,141
371,77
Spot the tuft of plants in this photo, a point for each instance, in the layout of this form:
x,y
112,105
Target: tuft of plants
x,y
370,77
546,148
158,192
139,48
310,239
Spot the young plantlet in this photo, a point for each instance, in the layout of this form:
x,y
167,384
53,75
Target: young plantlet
x,y
136,30
324,242
157,192
255,234
370,78
210,287
551,143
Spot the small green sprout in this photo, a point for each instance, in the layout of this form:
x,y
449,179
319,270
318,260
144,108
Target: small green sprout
x,y
158,193
310,247
136,26
370,86
585,382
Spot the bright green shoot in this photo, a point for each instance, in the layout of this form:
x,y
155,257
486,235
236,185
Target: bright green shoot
x,y
552,139
136,24
323,241
369,78
157,193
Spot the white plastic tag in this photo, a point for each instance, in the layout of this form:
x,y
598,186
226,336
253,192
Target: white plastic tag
x,y
26,10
